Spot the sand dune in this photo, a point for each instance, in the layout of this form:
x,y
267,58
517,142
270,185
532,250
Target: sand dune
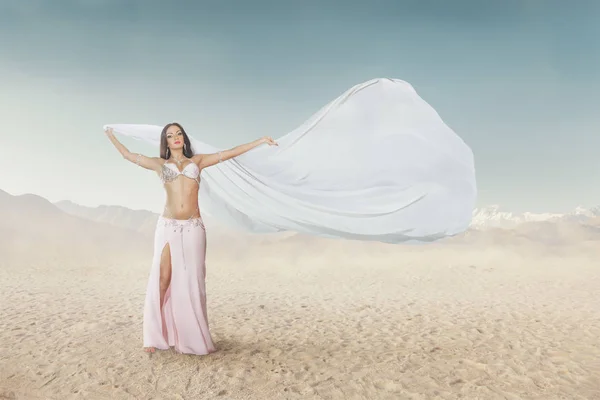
x,y
492,314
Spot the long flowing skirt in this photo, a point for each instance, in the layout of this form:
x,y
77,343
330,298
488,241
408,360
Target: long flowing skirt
x,y
183,323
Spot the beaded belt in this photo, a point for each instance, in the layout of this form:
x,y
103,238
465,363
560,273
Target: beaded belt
x,y
181,223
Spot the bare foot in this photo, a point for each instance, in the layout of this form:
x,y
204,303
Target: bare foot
x,y
149,349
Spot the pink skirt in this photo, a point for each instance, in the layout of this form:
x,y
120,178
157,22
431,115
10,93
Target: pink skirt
x,y
183,323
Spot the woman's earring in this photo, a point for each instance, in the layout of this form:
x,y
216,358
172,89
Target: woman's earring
x,y
184,146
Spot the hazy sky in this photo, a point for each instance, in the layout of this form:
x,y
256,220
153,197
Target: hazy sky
x,y
519,81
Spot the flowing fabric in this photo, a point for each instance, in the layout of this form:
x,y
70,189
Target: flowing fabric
x,y
183,321
376,163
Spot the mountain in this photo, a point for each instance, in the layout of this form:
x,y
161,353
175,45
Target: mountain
x,y
32,228
141,221
220,238
545,227
493,217
490,226
584,214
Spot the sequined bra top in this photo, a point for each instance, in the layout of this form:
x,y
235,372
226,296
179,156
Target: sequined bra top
x,y
169,172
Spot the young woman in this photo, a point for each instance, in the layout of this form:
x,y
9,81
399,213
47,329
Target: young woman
x,y
175,312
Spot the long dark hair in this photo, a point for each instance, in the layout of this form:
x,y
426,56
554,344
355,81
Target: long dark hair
x,y
164,149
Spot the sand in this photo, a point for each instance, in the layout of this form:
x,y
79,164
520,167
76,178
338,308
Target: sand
x,y
314,319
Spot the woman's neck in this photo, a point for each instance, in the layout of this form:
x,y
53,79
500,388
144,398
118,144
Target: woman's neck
x,y
177,154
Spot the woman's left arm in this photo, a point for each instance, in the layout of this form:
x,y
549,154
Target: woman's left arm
x,y
207,160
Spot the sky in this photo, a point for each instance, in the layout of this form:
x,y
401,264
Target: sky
x,y
518,81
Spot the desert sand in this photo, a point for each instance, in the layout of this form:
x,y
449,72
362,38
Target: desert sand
x,y
492,314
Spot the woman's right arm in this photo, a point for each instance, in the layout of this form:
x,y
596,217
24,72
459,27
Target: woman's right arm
x,y
152,163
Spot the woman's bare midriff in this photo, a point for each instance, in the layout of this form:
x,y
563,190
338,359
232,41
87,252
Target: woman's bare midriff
x,y
182,199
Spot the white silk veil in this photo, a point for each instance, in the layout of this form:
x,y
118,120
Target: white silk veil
x,y
376,163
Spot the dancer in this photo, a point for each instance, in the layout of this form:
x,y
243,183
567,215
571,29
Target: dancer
x,y
175,312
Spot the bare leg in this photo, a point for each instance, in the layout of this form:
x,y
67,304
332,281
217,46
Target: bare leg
x,y
165,280
165,273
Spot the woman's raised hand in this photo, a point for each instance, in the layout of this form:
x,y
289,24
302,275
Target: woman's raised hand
x,y
269,140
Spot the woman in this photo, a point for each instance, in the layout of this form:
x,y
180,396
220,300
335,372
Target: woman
x,y
175,312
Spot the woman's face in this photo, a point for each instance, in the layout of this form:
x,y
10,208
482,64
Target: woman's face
x,y
174,137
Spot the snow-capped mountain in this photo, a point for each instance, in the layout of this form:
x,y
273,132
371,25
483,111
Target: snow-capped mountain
x,y
494,217
584,214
